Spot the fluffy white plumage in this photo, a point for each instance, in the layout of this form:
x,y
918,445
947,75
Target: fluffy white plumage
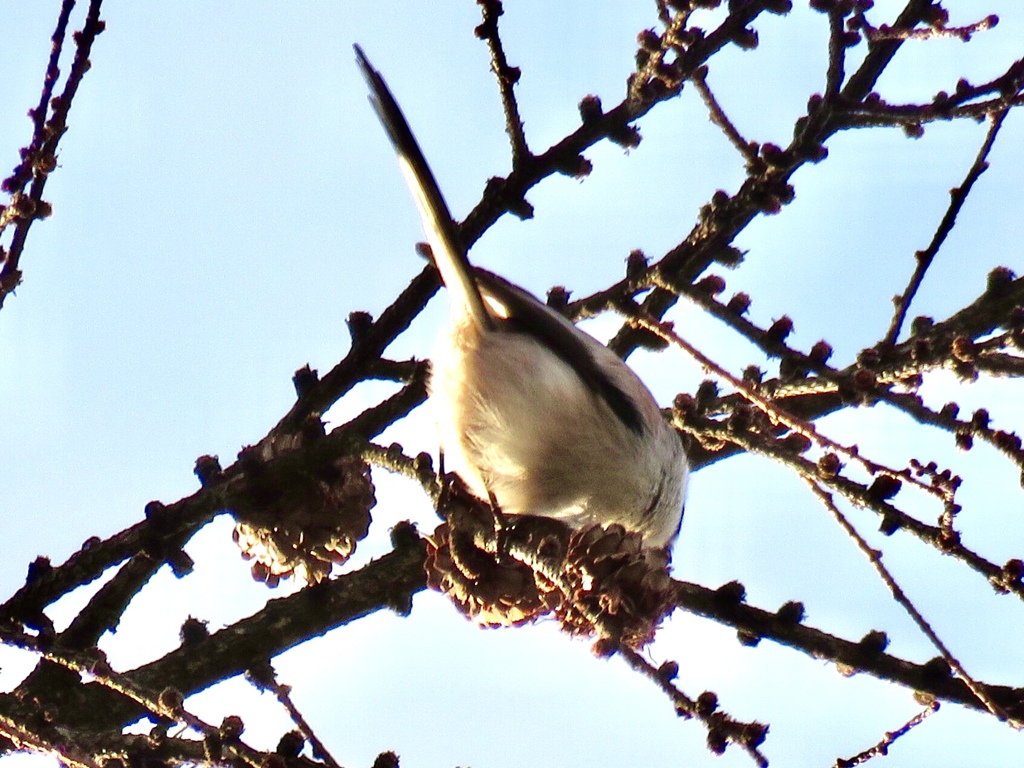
x,y
532,412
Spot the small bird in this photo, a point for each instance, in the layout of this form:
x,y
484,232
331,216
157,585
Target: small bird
x,y
533,414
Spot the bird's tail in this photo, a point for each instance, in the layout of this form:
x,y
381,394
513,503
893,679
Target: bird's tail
x,y
442,234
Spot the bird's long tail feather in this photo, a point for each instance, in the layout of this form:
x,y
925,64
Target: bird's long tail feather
x,y
442,234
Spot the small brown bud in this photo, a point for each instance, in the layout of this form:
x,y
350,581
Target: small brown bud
x,y
963,349
980,419
707,394
829,466
591,110
717,741
935,16
359,324
684,404
626,136
306,378
874,642
636,264
913,130
1013,570
739,303
791,612
754,734
1000,281
668,671
649,40
779,330
747,638
231,728
558,298
869,358
290,745
746,38
753,375
921,325
193,631
38,569
890,523
936,669
604,648
207,469
707,703
732,593
172,700
576,166
729,256
884,487
158,515
849,39
773,155
820,352
711,285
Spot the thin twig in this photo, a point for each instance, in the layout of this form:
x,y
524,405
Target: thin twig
x,y
776,414
168,704
958,196
720,726
265,678
882,747
23,738
746,148
1002,578
507,77
25,208
964,32
875,558
836,54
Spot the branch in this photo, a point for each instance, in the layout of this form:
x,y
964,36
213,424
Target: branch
x,y
39,159
507,77
388,582
725,605
958,196
875,558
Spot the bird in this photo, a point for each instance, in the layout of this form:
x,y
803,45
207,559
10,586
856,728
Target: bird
x,y
534,415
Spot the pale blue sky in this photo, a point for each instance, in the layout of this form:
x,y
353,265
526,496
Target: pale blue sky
x,y
225,198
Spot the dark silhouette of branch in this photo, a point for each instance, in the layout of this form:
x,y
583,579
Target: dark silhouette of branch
x,y
875,558
507,77
882,747
958,196
388,582
39,158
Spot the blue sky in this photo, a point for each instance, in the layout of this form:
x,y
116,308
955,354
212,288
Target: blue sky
x,y
225,198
